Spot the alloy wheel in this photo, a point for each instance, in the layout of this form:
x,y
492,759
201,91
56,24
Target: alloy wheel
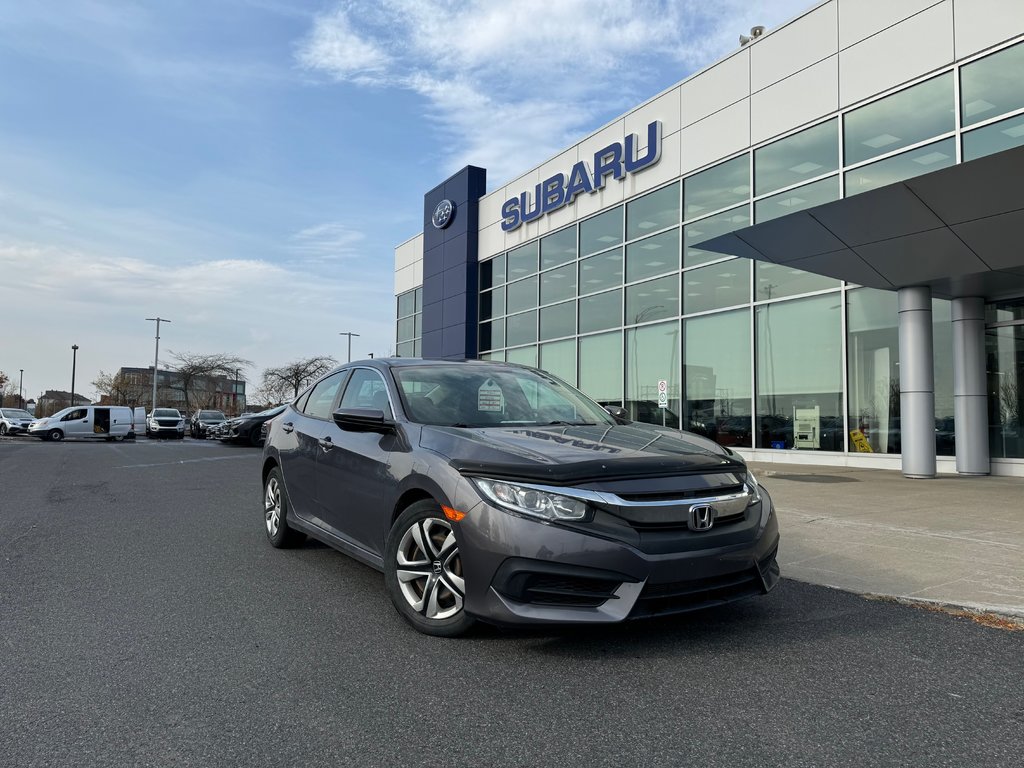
x,y
429,569
272,506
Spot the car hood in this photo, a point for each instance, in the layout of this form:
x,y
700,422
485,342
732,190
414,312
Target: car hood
x,y
560,454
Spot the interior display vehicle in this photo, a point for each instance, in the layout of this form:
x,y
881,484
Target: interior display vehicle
x,y
202,420
14,421
96,422
495,492
165,422
247,428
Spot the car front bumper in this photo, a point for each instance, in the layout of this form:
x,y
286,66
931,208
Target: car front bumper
x,y
520,571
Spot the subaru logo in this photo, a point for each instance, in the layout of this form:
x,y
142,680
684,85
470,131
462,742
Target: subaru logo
x,y
702,517
443,214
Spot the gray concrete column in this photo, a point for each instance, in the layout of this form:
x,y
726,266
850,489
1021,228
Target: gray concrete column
x,y
970,399
917,382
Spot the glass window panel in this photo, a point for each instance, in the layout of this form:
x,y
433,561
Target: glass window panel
x,y
522,261
522,355
653,300
601,271
417,348
899,120
406,303
1004,311
1006,134
775,281
797,158
601,311
652,354
492,335
652,212
406,349
406,329
601,367
559,359
521,329
558,284
992,85
652,256
419,298
558,320
558,248
492,272
873,352
725,184
714,287
1004,350
418,331
798,199
942,373
931,157
799,374
521,295
719,395
601,232
492,303
705,229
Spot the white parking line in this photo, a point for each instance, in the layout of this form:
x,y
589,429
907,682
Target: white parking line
x,y
183,461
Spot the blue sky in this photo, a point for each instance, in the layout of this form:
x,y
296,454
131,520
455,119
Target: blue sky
x,y
246,168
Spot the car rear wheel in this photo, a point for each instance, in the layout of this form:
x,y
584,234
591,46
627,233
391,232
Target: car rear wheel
x,y
423,572
275,513
55,434
3,429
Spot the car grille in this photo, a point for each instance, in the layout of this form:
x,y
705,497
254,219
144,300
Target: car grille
x,y
568,590
167,422
681,496
673,526
681,596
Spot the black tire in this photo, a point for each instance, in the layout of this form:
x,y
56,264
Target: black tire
x,y
254,437
55,435
3,430
279,533
441,569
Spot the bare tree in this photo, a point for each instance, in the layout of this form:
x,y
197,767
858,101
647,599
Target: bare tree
x,y
282,383
197,374
7,388
120,389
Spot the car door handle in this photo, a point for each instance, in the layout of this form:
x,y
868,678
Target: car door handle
x,y
288,427
325,443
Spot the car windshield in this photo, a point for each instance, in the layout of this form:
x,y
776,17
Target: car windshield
x,y
210,415
480,395
166,413
14,413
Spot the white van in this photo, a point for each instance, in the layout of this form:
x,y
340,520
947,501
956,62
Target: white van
x,y
106,422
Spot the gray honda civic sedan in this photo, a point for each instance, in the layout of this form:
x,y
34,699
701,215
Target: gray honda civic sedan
x,y
496,492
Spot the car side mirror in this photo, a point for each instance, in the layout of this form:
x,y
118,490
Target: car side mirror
x,y
620,414
362,420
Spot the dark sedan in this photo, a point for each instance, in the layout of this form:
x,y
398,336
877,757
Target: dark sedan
x,y
247,428
201,422
494,491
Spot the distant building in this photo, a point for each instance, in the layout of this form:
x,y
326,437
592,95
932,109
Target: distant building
x,y
52,400
134,386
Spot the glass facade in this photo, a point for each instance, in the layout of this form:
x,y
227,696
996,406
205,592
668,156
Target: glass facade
x,y
758,354
409,331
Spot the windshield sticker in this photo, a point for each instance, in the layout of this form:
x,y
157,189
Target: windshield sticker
x,y
489,398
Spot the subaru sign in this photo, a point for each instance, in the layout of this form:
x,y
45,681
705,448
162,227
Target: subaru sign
x,y
615,160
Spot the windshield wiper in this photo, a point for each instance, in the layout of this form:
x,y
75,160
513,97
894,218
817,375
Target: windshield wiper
x,y
569,424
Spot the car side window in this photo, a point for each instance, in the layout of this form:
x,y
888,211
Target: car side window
x,y
321,398
75,415
366,389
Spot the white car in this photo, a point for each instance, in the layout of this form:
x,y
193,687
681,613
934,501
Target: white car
x,y
14,420
165,422
97,422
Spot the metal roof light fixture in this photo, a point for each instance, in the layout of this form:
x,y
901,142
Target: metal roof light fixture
x,y
755,32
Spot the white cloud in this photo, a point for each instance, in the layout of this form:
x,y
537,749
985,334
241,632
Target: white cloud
x,y
330,241
510,84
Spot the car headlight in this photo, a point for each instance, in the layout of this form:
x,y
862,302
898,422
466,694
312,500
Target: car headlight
x,y
754,487
531,501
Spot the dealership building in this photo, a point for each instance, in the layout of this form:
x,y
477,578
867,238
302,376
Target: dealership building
x,y
810,251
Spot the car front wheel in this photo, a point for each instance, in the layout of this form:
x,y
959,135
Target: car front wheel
x,y
55,434
423,572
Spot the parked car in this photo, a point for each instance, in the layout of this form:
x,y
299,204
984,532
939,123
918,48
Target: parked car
x,y
494,491
203,420
14,421
165,422
247,428
99,422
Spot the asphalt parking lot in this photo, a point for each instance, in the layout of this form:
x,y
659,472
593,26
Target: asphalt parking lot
x,y
146,621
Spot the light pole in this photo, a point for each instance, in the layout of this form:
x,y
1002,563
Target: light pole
x,y
156,356
74,360
21,380
350,335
